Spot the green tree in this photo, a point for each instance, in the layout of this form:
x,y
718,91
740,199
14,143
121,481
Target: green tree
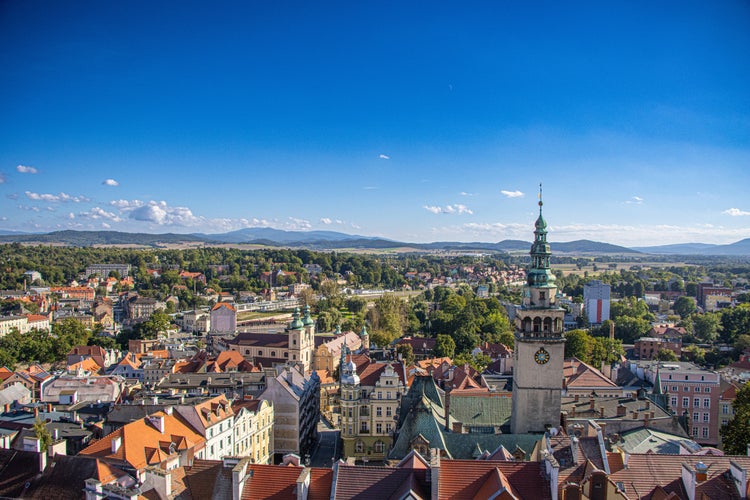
x,y
736,434
406,353
479,361
706,327
735,321
42,434
684,306
577,344
445,346
666,355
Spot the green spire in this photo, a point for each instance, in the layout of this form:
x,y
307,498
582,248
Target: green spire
x,y
539,273
296,323
307,320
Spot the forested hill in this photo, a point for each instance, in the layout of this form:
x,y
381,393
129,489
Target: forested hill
x,y
317,240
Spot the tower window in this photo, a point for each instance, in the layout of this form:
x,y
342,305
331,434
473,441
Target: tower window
x,y
541,296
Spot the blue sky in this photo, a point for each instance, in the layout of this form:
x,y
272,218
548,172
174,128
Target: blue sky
x,y
413,121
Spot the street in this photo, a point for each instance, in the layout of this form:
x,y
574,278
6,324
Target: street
x,y
328,449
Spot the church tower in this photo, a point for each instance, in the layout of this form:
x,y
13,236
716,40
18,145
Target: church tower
x,y
540,343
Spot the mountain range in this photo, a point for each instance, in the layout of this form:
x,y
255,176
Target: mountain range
x,y
332,240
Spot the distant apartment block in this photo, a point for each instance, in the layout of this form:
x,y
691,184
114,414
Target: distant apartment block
x,y
596,297
103,270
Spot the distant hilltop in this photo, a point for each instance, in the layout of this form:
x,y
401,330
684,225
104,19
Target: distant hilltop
x,y
331,240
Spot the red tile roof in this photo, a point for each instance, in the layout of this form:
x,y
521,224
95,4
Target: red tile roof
x,y
460,479
271,482
648,472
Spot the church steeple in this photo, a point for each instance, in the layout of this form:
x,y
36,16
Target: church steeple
x,y
539,273
539,343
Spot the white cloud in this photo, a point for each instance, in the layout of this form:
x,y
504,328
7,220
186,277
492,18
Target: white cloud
x,y
99,213
55,198
28,208
464,193
449,209
110,182
26,169
295,224
326,220
369,188
511,194
635,200
106,226
384,157
735,212
2,178
71,215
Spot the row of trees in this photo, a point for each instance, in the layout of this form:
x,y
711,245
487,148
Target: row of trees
x,y
47,347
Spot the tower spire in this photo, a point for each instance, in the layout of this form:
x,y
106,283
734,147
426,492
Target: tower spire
x,y
540,199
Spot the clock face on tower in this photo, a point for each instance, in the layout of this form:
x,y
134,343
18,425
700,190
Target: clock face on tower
x,y
541,356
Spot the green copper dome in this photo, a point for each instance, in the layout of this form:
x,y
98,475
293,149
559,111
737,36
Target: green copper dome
x,y
307,320
296,323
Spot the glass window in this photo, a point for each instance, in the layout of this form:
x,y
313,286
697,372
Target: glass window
x,y
388,411
725,409
707,389
696,402
705,432
378,411
673,401
696,415
706,403
695,431
685,402
697,389
705,417
379,428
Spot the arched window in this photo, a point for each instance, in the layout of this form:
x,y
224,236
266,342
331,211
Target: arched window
x,y
359,447
547,325
526,324
379,446
537,325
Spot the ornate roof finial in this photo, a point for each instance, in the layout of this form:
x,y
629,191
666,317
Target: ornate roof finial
x,y
540,199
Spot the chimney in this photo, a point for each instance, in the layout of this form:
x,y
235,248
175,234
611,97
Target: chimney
x,y
635,415
116,443
457,427
49,407
645,419
574,449
648,404
601,412
158,422
36,412
592,404
739,475
6,408
621,410
303,484
447,407
573,414
575,398
701,472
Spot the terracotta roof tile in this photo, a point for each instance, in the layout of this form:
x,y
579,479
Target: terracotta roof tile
x,y
460,479
377,483
271,482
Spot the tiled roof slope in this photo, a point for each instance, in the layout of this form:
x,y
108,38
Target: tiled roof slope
x,y
461,479
644,474
378,483
271,482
